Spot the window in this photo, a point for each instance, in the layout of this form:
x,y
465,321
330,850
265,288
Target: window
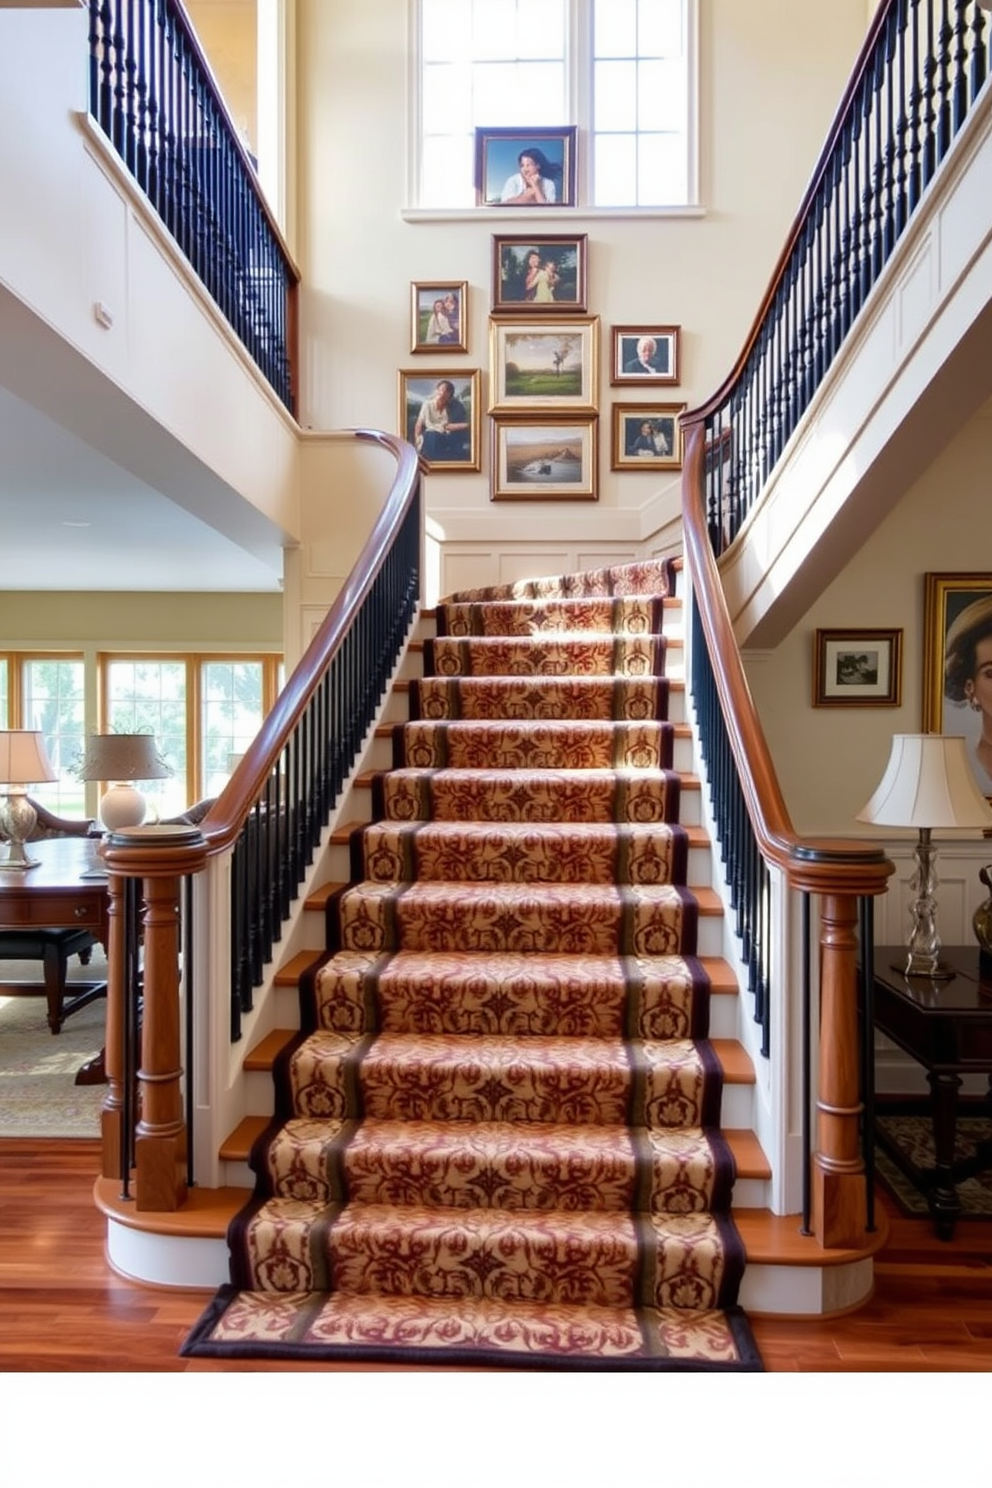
x,y
622,70
52,699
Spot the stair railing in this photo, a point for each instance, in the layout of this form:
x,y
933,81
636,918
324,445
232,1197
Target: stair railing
x,y
153,94
257,840
921,68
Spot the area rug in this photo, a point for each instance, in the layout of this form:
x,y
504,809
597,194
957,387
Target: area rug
x,y
38,1094
912,1137
487,1334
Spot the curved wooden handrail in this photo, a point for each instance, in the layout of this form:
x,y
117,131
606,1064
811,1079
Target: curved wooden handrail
x,y
226,817
813,865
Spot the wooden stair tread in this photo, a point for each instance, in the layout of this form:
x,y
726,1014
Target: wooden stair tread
x,y
723,980
263,1054
237,1146
777,1240
748,1153
734,1061
290,972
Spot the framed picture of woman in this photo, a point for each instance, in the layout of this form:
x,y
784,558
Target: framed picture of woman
x,y
539,275
525,167
439,414
439,315
957,664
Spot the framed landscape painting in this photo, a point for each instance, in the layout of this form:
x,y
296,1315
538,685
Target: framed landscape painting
x,y
543,459
532,366
439,315
539,275
439,414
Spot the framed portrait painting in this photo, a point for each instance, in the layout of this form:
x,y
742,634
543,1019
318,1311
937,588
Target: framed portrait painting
x,y
857,669
439,315
439,414
647,436
525,167
957,664
550,365
539,275
551,458
644,353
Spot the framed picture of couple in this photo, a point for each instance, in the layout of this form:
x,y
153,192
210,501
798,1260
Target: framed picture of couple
x,y
439,315
647,436
539,275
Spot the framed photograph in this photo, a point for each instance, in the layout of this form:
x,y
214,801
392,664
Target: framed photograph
x,y
439,414
645,354
857,669
647,436
554,365
544,459
540,276
525,167
957,664
439,315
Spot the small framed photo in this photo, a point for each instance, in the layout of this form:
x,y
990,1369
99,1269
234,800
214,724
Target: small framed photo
x,y
544,459
439,414
525,167
647,436
645,354
439,315
957,664
550,365
539,275
857,669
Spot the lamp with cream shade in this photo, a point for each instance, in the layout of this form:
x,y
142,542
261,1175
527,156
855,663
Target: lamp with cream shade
x,y
928,784
23,761
121,759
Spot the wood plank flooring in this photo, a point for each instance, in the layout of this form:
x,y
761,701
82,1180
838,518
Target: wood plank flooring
x,y
63,1308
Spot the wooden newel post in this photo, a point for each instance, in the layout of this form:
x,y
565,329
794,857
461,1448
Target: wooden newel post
x,y
839,1196
112,1111
160,857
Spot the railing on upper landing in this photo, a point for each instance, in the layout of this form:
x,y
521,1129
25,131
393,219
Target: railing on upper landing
x,y
257,842
154,96
919,72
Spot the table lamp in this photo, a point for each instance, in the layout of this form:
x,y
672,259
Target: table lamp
x,y
121,759
23,761
928,784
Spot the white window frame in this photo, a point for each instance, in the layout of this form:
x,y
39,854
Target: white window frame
x,y
578,87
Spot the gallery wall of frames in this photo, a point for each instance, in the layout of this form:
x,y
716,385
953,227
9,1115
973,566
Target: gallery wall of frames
x,y
541,421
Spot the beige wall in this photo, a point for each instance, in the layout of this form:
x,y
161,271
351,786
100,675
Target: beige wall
x,y
761,64
227,30
243,622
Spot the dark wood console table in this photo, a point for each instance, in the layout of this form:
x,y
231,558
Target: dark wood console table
x,y
946,1025
49,908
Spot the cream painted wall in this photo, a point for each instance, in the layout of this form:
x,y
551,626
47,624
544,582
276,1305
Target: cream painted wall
x,y
227,30
772,73
121,621
933,529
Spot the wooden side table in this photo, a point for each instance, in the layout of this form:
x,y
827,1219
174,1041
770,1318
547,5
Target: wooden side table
x,y
947,1026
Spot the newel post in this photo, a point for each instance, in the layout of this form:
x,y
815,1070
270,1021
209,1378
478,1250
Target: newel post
x,y
159,858
840,873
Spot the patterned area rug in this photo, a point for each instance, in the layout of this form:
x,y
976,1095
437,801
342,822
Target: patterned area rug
x,y
912,1137
496,1138
38,1096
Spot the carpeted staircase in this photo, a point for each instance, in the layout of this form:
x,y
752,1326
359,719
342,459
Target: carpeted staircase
x,y
497,1136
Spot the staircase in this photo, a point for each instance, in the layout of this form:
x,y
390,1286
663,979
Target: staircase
x,y
510,1126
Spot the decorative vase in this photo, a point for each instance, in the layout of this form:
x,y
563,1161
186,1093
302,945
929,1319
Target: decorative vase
x,y
982,923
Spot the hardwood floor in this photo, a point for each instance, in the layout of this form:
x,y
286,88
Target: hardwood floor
x,y
62,1308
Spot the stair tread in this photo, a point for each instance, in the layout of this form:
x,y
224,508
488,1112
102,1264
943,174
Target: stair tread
x,y
290,972
263,1054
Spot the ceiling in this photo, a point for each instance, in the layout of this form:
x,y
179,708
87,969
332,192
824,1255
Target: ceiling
x,y
72,519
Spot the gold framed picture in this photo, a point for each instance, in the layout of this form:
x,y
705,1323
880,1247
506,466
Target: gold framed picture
x,y
551,458
439,414
543,366
647,436
439,315
957,664
645,353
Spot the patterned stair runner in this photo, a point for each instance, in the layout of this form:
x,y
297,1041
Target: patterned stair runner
x,y
496,1137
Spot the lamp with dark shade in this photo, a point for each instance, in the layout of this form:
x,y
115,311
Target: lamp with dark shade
x,y
23,761
928,784
121,759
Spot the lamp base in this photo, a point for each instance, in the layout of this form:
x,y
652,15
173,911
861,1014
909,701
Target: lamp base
x,y
939,973
17,821
17,859
122,806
